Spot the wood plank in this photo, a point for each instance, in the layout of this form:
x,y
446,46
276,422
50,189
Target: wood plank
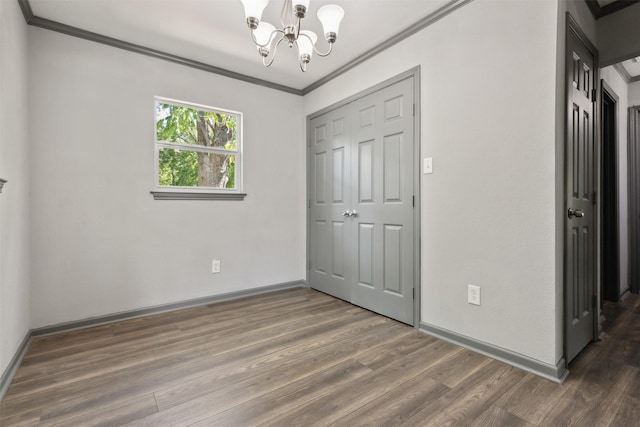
x,y
300,357
397,405
331,407
470,398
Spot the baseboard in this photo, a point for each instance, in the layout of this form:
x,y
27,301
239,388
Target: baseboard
x,y
132,314
556,373
14,364
8,374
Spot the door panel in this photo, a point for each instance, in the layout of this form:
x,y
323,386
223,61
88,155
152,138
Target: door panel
x,y
580,268
385,182
363,155
329,270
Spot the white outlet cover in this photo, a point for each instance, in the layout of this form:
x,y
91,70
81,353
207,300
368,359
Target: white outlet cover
x,y
428,165
473,296
215,266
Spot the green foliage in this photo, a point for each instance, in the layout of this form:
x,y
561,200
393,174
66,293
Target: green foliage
x,y
178,168
190,127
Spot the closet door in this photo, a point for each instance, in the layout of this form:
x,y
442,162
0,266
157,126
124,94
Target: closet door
x,y
382,144
330,197
361,237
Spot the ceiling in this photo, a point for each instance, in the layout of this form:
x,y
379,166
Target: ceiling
x,y
214,32
632,68
602,8
606,2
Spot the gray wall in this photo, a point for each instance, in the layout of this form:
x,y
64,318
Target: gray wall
x,y
634,94
619,35
488,211
15,166
100,243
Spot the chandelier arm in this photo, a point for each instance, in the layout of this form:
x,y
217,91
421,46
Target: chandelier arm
x,y
253,37
323,54
298,29
303,66
273,54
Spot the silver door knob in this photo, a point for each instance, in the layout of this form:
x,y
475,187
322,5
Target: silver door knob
x,y
346,213
353,214
575,213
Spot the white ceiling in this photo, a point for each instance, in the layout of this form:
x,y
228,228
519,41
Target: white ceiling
x,y
632,66
215,32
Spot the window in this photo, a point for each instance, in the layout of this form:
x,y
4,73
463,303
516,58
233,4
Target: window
x,y
198,152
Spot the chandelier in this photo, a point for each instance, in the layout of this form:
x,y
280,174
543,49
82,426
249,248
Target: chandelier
x,y
267,37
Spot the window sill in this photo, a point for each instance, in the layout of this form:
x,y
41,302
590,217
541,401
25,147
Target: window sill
x,y
185,195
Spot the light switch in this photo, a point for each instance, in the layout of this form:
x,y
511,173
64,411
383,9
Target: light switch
x,y
428,165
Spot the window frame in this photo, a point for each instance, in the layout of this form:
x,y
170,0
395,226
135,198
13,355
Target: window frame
x,y
160,192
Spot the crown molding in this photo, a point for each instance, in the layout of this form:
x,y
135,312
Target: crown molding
x,y
69,30
623,72
408,32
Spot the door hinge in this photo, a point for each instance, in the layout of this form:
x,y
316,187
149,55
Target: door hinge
x,y
595,302
594,198
413,293
413,201
594,93
414,110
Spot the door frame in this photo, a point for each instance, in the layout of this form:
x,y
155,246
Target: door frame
x,y
607,91
411,73
634,197
571,26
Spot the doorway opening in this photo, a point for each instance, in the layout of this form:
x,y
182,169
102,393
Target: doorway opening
x,y
610,246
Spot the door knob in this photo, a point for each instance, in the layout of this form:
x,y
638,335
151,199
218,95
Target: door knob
x,y
346,213
353,214
574,213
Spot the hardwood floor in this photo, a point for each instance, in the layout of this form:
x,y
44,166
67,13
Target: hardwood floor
x,y
302,358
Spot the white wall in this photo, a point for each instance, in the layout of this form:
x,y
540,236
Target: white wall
x,y
634,94
621,89
100,243
15,166
488,75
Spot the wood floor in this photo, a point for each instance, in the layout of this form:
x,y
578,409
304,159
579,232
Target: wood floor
x,y
301,358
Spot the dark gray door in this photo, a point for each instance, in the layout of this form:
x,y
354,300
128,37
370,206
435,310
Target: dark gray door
x,y
361,220
580,260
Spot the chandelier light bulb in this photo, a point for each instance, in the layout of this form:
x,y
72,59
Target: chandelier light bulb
x,y
253,11
264,33
330,17
305,43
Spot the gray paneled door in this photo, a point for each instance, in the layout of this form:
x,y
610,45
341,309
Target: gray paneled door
x,y
580,260
361,221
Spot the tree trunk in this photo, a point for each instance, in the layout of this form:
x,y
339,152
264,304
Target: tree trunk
x,y
212,168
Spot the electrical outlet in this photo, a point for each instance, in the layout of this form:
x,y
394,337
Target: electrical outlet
x,y
215,266
473,294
